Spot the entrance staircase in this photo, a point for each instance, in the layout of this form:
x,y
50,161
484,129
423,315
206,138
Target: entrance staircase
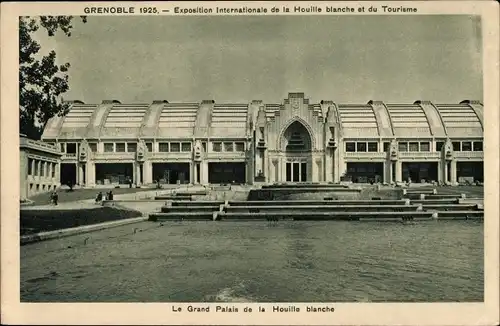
x,y
415,205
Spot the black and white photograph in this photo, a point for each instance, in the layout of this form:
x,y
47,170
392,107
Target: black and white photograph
x,y
221,156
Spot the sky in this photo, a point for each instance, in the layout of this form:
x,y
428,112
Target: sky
x,y
347,59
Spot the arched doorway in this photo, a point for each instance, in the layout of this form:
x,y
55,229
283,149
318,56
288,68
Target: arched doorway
x,y
297,145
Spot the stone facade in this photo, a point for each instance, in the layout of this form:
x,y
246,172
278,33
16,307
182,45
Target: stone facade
x,y
39,167
294,141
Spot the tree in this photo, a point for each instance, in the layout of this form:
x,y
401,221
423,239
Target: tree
x,y
41,80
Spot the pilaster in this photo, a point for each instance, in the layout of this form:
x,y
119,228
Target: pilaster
x,y
148,172
399,174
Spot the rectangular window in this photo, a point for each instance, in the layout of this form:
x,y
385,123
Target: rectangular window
x,y
71,148
131,147
439,146
53,170
30,166
403,147
204,146
387,146
456,146
93,147
149,146
425,146
350,147
108,147
239,146
466,146
478,146
120,147
228,147
62,147
217,147
175,147
186,147
360,147
163,147
413,146
373,147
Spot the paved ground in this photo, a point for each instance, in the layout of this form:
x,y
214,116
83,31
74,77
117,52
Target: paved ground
x,y
82,194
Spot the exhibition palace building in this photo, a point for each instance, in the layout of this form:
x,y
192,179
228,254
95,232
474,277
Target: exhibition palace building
x,y
293,141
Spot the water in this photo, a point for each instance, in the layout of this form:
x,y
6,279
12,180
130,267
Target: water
x,y
437,261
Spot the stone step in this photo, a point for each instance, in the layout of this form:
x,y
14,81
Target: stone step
x,y
326,208
311,189
314,202
350,208
451,207
191,216
198,203
353,216
454,215
185,198
443,196
304,185
181,209
434,201
298,216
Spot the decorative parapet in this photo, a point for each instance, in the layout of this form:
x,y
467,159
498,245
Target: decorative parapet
x,y
27,143
365,155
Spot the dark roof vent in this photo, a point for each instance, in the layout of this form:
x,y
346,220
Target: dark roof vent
x,y
159,101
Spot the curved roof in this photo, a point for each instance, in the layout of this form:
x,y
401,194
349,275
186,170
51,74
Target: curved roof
x,y
161,119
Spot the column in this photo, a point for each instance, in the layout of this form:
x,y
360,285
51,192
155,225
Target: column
x,y
134,173
24,186
314,170
148,172
453,172
77,170
195,173
445,179
33,167
49,171
138,180
90,174
58,173
265,167
81,181
327,166
440,172
258,162
399,174
389,178
204,172
341,165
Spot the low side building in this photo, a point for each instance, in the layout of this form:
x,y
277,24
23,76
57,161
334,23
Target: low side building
x,y
39,167
293,141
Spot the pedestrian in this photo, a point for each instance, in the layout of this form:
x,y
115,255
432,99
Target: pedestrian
x,y
110,195
55,197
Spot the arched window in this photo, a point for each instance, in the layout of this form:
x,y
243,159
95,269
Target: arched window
x,y
296,138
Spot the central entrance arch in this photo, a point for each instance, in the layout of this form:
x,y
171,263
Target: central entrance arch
x,y
296,143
